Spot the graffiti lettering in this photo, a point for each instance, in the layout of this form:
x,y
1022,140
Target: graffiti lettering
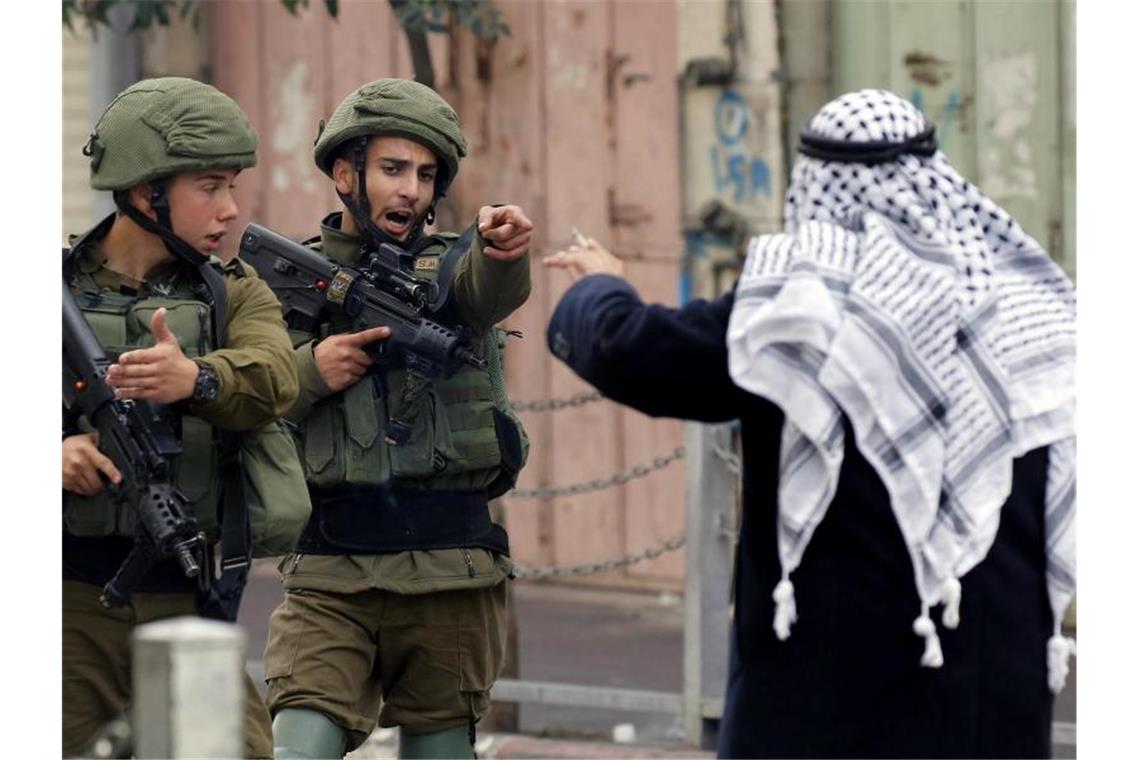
x,y
735,167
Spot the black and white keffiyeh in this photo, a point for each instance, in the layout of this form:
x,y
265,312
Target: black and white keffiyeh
x,y
904,298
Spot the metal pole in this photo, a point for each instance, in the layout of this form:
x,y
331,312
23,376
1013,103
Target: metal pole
x,y
188,690
709,498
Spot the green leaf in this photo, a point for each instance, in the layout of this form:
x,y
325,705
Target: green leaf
x,y
100,10
291,6
69,7
333,7
186,7
144,16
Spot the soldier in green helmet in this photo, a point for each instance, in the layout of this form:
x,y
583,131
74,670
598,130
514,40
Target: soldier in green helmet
x,y
203,339
395,601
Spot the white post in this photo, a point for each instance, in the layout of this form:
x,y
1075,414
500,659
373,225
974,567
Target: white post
x,y
188,689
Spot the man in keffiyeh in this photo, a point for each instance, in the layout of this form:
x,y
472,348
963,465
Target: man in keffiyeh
x,y
901,361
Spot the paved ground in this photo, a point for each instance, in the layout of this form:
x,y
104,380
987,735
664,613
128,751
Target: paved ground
x,y
569,635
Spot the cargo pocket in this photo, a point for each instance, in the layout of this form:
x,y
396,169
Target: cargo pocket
x,y
512,450
320,439
285,630
364,450
91,516
466,415
419,457
188,320
483,646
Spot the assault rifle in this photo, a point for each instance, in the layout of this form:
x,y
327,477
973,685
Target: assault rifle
x,y
312,288
142,445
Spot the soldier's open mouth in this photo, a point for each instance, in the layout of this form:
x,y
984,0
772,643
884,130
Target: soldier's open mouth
x,y
396,223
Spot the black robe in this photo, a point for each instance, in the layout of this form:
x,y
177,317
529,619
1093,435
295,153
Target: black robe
x,y
847,683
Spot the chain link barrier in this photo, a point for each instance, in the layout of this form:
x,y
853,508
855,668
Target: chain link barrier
x,y
637,471
555,404
625,560
731,462
730,458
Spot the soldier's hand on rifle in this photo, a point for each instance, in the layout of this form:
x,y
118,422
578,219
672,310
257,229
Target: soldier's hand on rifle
x,y
580,261
161,374
82,463
341,360
508,231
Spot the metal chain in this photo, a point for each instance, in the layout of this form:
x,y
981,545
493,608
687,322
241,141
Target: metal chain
x,y
625,560
637,471
730,458
554,404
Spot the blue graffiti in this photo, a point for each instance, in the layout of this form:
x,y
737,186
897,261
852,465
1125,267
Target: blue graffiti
x,y
731,117
916,99
734,167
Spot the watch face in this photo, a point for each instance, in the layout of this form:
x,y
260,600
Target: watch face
x,y
206,386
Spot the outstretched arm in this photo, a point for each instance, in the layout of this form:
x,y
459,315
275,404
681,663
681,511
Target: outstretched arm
x,y
493,277
661,361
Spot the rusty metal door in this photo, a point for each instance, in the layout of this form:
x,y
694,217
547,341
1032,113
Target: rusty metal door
x,y
996,78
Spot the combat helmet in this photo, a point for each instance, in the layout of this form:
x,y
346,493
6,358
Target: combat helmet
x,y
399,108
157,128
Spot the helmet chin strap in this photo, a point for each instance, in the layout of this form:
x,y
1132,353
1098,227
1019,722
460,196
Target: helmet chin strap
x,y
361,209
178,247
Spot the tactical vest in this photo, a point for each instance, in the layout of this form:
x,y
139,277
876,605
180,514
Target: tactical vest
x,y
465,436
122,323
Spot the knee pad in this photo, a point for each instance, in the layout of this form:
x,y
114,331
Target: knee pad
x,y
449,743
306,735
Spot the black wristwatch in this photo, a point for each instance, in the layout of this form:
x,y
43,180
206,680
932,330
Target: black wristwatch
x,y
206,386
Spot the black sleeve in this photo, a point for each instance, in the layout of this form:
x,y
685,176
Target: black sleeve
x,y
661,361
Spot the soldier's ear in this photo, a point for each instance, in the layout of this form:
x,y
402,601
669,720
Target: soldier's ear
x,y
344,176
140,198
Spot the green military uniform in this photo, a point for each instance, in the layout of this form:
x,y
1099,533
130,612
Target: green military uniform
x,y
412,630
257,381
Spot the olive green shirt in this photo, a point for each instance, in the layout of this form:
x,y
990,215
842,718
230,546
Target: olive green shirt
x,y
484,292
257,376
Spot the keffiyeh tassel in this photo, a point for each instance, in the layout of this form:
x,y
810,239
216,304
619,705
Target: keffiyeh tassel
x,y
924,627
1059,650
784,596
951,600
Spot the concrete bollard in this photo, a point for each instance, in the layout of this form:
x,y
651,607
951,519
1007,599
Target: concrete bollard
x,y
188,689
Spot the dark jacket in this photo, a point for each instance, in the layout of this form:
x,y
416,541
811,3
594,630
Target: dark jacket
x,y
848,682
